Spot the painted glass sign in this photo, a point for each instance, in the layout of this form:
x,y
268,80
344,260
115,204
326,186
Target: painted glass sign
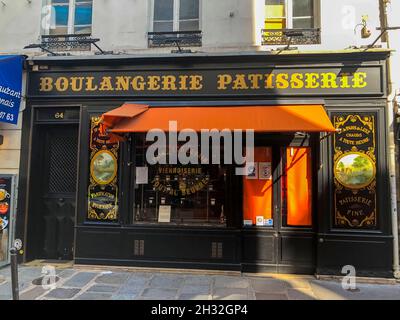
x,y
103,187
355,171
10,87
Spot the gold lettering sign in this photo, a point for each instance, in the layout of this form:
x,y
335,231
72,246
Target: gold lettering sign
x,y
232,82
179,181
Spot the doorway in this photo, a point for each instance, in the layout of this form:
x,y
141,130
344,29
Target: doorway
x,y
52,192
279,207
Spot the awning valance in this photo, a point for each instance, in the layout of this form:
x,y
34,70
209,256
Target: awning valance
x,y
285,118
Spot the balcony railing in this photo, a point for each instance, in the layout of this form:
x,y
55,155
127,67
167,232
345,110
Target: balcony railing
x,y
67,42
291,36
175,38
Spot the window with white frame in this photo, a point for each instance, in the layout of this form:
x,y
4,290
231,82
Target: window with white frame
x,y
176,15
71,17
290,14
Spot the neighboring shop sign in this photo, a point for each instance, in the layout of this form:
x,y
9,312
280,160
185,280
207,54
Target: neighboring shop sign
x,y
355,170
198,82
103,187
10,87
5,202
7,194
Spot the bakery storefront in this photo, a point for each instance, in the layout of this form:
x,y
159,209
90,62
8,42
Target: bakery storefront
x,y
140,161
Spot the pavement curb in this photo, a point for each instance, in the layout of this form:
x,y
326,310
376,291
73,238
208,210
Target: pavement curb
x,y
155,270
365,280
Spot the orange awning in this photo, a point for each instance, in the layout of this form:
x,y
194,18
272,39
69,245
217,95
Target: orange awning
x,y
288,118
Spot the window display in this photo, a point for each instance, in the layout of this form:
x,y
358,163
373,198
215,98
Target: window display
x,y
180,194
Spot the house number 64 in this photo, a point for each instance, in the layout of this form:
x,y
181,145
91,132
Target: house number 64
x,y
59,115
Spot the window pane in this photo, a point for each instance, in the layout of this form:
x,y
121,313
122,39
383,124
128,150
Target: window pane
x,y
257,188
189,9
163,26
60,1
61,15
191,25
59,31
83,14
83,29
303,23
163,10
275,14
275,2
297,187
275,9
303,8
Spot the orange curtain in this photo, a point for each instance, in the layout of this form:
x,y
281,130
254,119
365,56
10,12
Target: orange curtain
x,y
299,186
257,193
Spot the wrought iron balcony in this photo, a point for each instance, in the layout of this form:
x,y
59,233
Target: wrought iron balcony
x,y
65,43
291,36
175,38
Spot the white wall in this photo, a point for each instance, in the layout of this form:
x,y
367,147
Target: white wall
x,y
122,25
19,24
394,39
339,19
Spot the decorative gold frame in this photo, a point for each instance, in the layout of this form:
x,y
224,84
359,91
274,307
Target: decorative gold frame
x,y
100,182
345,154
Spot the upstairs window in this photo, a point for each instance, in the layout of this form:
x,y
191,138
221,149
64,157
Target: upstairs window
x,y
290,14
176,15
71,17
291,21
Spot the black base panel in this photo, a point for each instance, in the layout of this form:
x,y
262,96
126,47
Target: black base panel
x,y
371,255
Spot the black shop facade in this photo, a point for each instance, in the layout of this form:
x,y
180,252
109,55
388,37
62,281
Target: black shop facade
x,y
315,197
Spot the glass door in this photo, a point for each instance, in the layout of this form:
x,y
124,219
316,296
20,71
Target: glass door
x,y
296,186
278,207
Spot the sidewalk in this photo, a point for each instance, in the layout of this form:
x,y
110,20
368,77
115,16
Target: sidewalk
x,y
93,284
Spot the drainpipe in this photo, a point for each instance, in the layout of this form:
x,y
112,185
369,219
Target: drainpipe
x,y
391,150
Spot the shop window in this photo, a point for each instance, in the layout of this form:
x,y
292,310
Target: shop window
x,y
257,190
177,194
176,15
71,17
297,187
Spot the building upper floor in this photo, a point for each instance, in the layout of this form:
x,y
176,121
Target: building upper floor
x,y
152,26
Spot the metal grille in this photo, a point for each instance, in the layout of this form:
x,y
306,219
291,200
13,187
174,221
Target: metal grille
x,y
216,250
68,42
175,38
138,248
294,36
62,164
